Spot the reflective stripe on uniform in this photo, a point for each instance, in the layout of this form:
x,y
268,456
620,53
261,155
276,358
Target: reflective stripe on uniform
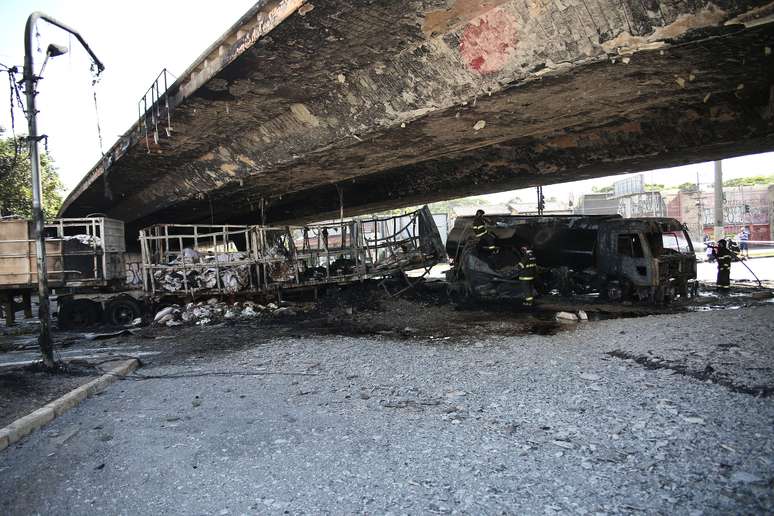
x,y
525,278
479,230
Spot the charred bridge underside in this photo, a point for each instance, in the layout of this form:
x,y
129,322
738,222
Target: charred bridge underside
x,y
393,103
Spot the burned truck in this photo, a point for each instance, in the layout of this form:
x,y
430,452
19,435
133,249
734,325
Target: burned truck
x,y
94,278
649,260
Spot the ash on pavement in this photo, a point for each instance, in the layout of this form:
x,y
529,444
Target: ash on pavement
x,y
269,417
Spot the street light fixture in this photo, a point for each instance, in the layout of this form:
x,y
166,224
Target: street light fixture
x,y
30,81
53,50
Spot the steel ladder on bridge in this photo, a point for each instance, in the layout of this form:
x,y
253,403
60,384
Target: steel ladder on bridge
x,y
154,111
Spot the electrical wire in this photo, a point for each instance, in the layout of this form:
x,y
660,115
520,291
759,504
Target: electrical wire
x,y
94,82
14,100
142,377
135,376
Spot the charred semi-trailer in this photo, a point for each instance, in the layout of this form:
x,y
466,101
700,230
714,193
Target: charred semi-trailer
x,y
96,280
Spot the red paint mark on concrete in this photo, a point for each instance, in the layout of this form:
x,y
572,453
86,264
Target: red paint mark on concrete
x,y
489,42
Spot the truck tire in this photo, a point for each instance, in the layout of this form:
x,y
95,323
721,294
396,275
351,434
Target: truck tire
x,y
122,311
77,313
543,237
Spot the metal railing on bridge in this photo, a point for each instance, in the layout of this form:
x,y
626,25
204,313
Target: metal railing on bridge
x,y
153,110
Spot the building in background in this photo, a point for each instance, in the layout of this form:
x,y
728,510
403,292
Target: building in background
x,y
628,198
489,209
552,207
596,204
742,206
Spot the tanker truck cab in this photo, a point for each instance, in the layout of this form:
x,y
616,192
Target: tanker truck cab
x,y
646,259
649,260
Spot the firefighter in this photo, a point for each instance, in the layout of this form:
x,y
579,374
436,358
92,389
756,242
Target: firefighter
x,y
486,240
724,257
527,271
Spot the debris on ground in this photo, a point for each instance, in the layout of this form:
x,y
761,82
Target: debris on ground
x,y
109,335
566,317
214,311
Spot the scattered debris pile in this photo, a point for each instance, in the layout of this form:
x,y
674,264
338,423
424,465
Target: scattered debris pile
x,y
570,317
214,311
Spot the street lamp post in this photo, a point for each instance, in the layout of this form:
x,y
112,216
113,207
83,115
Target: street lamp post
x,y
30,81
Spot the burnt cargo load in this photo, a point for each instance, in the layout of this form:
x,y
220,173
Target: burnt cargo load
x,y
641,259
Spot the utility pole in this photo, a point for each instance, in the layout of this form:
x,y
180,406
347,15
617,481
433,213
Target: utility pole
x,y
719,231
699,209
30,82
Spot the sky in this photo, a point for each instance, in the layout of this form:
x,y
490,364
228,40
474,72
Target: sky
x,y
742,166
136,40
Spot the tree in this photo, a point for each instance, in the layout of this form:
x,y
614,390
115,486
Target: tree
x,y
16,180
653,187
440,206
687,187
602,189
749,181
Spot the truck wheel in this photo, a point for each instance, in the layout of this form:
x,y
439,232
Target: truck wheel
x,y
543,236
122,311
78,313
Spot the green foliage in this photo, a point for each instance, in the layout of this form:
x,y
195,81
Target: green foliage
x,y
687,187
653,187
749,181
603,189
449,206
441,206
16,181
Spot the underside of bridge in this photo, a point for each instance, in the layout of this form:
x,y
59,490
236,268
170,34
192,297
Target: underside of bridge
x,y
387,104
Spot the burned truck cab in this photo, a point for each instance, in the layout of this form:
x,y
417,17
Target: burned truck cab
x,y
645,259
641,259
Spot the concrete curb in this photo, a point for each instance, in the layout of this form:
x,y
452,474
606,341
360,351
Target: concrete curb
x,y
31,422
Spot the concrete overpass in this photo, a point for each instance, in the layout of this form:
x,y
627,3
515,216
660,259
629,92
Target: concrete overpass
x,y
392,103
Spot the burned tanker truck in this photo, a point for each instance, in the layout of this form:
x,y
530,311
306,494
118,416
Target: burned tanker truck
x,y
648,260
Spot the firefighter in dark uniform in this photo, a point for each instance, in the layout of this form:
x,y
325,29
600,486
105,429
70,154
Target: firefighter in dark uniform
x,y
527,271
724,257
486,239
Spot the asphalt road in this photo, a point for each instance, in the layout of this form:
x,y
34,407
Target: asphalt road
x,y
612,417
762,267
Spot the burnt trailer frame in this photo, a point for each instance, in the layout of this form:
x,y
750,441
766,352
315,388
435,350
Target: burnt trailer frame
x,y
224,261
287,257
607,254
367,248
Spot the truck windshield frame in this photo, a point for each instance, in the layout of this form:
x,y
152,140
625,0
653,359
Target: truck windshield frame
x,y
674,242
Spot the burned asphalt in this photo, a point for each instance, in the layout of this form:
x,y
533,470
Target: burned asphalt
x,y
657,414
